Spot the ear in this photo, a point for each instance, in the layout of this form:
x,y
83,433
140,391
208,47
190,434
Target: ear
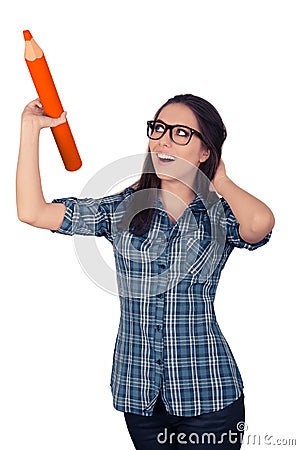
x,y
204,155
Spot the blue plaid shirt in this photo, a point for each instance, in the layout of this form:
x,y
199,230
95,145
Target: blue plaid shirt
x,y
169,340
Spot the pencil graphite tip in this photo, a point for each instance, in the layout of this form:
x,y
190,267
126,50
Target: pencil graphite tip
x,y
27,35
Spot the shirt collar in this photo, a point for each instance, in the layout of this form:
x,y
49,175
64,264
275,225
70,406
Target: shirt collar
x,y
199,203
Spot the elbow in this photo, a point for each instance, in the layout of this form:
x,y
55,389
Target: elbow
x,y
265,223
24,217
260,227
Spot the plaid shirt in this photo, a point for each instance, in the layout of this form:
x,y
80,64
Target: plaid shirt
x,y
168,339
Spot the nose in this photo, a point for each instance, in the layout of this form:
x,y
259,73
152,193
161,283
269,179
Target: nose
x,y
165,140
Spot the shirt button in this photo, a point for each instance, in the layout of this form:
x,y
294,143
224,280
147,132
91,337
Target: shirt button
x,y
159,362
163,266
158,327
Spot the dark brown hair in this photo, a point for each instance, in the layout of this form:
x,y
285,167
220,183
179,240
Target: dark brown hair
x,y
214,133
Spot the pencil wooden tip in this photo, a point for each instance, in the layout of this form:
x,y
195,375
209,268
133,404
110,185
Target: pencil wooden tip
x,y
27,35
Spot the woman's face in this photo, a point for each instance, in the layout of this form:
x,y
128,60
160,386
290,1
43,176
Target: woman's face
x,y
187,157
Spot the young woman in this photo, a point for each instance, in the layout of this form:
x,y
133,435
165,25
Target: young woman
x,y
174,376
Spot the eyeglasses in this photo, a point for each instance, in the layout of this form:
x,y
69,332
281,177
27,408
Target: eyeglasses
x,y
180,134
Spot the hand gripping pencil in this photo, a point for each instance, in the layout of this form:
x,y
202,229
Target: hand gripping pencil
x,y
42,79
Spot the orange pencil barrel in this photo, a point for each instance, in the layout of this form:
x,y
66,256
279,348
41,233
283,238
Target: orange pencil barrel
x,y
45,87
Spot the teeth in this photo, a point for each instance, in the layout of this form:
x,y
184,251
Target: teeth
x,y
166,157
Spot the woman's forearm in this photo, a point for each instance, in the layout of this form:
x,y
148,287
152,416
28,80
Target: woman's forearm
x,y
255,217
30,198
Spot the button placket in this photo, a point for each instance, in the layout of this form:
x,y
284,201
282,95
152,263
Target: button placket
x,y
162,264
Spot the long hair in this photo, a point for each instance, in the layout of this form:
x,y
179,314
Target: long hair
x,y
214,133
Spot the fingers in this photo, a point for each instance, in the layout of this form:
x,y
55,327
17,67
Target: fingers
x,y
34,112
60,120
38,103
34,107
46,121
34,103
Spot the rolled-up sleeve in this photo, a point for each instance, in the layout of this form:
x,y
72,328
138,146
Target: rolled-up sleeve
x,y
232,230
85,216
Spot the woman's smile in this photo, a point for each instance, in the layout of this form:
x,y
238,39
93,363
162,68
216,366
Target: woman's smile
x,y
165,158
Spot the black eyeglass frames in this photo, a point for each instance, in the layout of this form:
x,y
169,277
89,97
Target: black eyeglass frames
x,y
180,134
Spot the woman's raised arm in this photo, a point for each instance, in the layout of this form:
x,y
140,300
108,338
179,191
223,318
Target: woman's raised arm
x,y
255,217
31,205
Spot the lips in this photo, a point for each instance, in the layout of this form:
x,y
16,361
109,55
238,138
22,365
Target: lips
x,y
165,157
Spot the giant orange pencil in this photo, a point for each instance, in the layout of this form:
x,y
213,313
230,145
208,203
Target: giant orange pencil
x,y
49,98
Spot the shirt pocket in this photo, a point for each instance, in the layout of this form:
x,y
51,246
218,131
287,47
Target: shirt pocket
x,y
203,251
136,264
136,249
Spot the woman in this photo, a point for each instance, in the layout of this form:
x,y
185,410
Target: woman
x,y
174,376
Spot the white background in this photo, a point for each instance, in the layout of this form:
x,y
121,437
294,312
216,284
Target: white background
x,y
114,63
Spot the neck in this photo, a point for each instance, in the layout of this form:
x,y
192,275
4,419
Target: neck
x,y
177,189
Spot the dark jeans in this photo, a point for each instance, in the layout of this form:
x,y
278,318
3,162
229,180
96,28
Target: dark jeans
x,y
212,431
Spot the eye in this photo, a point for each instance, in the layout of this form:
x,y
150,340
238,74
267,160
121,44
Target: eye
x,y
158,128
182,132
